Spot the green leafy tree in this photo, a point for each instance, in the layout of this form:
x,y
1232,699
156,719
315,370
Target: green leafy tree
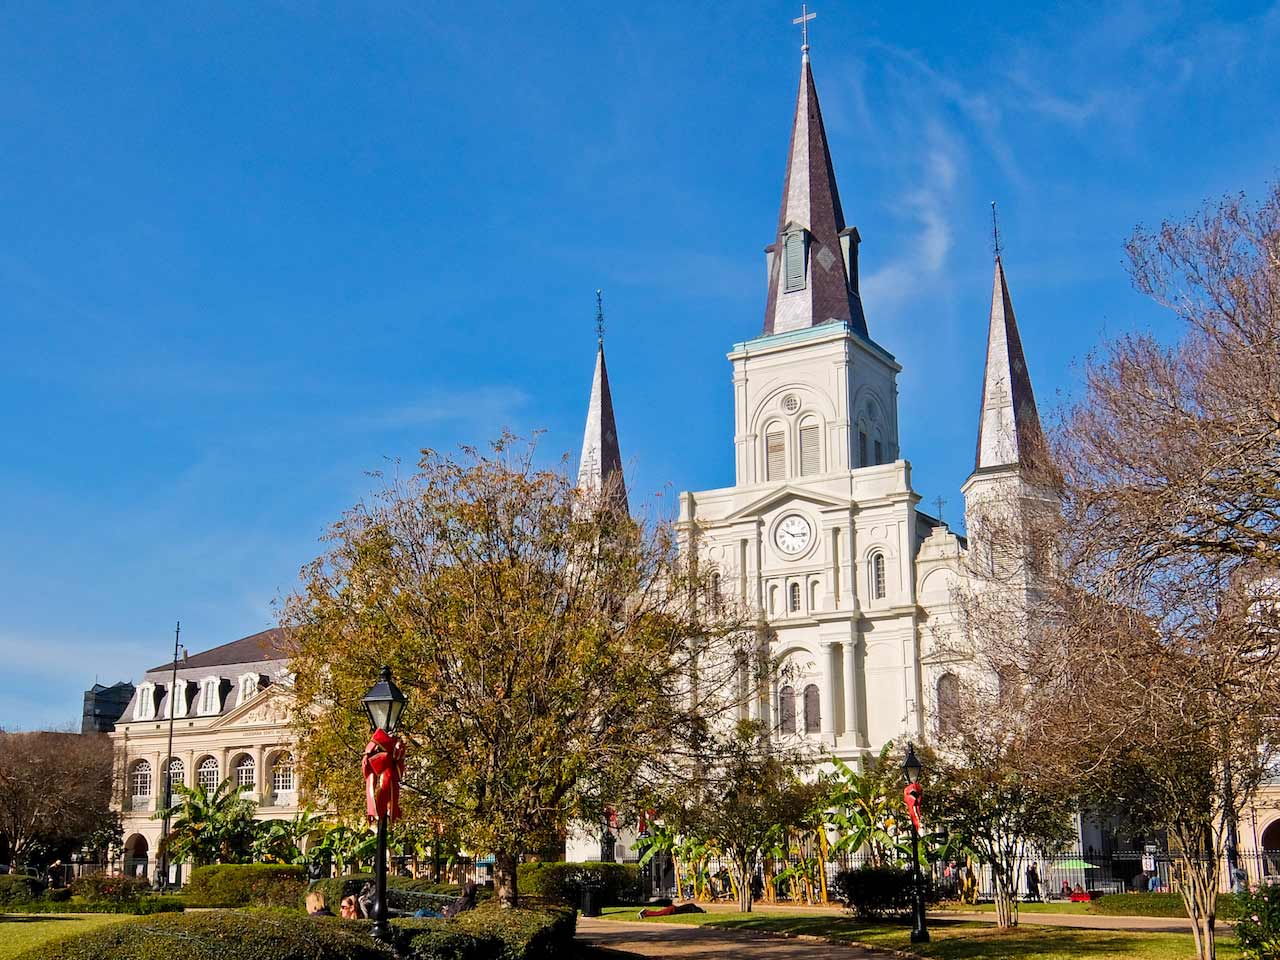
x,y
743,801
866,807
347,847
546,642
287,841
210,826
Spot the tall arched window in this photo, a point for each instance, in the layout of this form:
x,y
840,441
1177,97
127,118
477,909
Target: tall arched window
x,y
207,773
787,709
177,773
773,598
793,598
715,592
948,704
140,779
793,261
875,575
775,453
810,452
282,774
245,771
812,714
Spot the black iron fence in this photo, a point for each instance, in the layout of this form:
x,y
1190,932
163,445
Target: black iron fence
x,y
1055,877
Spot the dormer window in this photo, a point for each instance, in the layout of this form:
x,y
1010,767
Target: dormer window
x,y
145,708
210,699
248,688
793,261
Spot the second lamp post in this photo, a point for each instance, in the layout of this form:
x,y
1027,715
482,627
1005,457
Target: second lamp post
x,y
383,705
911,768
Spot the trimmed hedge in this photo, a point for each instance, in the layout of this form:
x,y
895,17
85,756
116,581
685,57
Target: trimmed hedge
x,y
246,885
335,889
1157,905
217,936
17,888
491,933
563,882
143,906
108,888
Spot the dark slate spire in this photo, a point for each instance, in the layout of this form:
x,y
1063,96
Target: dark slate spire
x,y
600,467
813,263
1008,427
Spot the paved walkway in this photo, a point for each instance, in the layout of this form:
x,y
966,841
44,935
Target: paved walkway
x,y
703,943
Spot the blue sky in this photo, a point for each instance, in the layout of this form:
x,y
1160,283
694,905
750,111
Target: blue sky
x,y
252,251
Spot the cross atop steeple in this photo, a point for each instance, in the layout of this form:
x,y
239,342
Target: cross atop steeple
x,y
995,231
600,317
803,20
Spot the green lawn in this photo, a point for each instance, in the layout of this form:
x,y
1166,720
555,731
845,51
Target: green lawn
x,y
958,940
20,931
1062,906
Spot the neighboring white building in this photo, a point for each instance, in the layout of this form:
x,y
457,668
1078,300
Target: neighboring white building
x,y
232,720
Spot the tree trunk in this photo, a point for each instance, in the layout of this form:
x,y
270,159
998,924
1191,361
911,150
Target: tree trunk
x,y
823,852
505,889
743,882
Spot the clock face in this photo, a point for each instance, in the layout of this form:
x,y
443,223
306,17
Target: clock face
x,y
793,534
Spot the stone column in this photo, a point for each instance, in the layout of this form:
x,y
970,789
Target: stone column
x,y
828,706
852,692
261,788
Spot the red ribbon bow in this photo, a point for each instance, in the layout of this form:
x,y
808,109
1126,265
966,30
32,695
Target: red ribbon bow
x,y
383,766
912,795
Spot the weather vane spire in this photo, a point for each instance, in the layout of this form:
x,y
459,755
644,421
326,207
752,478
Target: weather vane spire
x,y
995,230
600,317
803,20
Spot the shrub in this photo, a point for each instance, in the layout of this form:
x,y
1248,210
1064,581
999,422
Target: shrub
x,y
1258,928
16,888
141,906
1157,905
491,933
335,888
246,885
57,894
108,888
563,882
215,936
871,891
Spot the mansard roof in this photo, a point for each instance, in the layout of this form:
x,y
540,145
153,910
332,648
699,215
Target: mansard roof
x,y
811,200
256,648
1009,431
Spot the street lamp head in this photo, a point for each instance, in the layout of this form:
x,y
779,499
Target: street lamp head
x,y
384,703
911,765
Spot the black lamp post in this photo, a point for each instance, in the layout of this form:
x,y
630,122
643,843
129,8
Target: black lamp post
x,y
911,768
383,704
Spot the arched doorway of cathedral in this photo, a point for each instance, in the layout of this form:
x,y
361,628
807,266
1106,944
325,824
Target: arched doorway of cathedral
x,y
135,855
1271,849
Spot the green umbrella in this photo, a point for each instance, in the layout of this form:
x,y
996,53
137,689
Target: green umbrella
x,y
1076,864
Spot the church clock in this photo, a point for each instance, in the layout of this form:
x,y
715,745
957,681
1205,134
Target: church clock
x,y
793,534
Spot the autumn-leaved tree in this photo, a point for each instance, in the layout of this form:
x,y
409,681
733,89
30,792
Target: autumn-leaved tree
x,y
555,652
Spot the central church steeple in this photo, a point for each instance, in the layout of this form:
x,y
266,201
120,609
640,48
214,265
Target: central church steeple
x,y
813,261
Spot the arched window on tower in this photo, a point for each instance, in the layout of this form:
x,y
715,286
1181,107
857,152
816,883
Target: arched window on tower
x,y
948,700
793,261
715,592
793,598
775,453
787,709
875,574
810,451
812,714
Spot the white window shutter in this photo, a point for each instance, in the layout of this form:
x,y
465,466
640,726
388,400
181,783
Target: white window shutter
x,y
775,445
794,261
809,459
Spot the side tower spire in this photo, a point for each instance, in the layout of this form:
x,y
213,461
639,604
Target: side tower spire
x,y
813,262
600,466
1009,433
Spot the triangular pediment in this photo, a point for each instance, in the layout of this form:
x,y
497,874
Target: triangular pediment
x,y
782,494
270,706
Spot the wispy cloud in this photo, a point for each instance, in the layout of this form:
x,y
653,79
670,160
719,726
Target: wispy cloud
x,y
484,405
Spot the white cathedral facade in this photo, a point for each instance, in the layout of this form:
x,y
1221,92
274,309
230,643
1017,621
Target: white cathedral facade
x,y
820,534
